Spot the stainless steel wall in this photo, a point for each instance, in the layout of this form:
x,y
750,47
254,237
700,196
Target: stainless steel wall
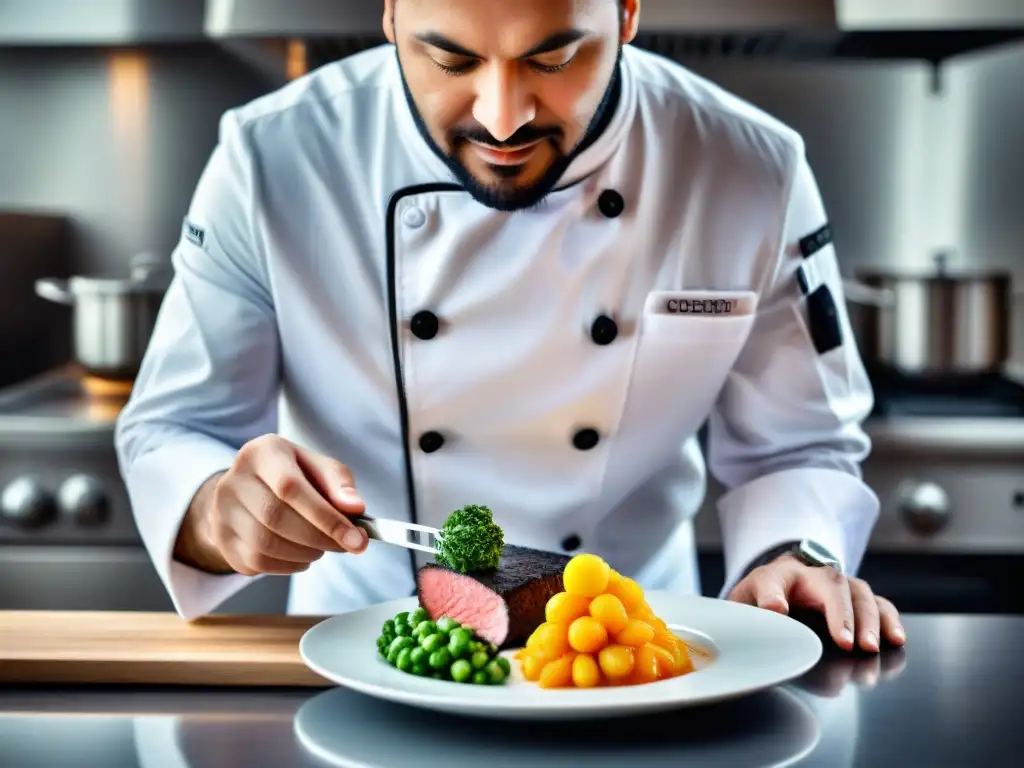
x,y
115,138
119,140
905,170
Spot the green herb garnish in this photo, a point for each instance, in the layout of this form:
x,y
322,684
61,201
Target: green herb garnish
x,y
470,540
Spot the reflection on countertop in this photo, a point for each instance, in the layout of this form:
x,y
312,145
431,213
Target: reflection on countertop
x,y
948,699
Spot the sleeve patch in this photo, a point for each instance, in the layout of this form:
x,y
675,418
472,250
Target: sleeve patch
x,y
823,321
815,241
195,234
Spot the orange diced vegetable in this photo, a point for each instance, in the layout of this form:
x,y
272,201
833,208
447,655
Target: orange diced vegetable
x,y
558,673
587,635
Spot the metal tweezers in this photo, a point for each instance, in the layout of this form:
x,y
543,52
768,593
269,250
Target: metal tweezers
x,y
408,535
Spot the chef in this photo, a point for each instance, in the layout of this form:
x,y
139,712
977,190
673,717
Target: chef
x,y
507,259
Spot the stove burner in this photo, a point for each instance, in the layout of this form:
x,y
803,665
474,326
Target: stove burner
x,y
983,395
62,401
107,389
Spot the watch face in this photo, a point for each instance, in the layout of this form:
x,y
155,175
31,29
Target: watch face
x,y
816,554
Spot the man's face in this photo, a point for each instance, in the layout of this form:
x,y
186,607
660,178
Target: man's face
x,y
507,89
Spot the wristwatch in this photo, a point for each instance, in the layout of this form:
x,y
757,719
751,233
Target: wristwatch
x,y
805,550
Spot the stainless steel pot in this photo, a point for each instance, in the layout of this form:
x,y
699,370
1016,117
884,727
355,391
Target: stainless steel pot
x,y
113,317
936,321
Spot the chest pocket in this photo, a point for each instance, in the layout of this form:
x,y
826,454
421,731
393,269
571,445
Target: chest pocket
x,y
688,342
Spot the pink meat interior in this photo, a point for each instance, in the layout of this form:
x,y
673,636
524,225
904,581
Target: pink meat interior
x,y
443,593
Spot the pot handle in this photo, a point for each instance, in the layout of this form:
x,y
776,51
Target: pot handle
x,y
54,290
866,295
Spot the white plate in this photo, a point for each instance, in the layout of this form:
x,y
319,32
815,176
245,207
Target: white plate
x,y
741,650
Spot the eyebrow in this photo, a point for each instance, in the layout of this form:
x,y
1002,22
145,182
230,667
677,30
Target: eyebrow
x,y
551,43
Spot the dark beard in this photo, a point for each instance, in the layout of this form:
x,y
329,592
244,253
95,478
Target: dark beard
x,y
527,197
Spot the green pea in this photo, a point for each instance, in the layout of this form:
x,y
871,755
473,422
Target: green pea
x,y
505,665
461,671
404,662
419,655
440,659
402,617
392,657
432,642
480,678
421,669
403,630
495,672
418,615
447,624
458,645
426,628
475,645
479,659
389,626
401,642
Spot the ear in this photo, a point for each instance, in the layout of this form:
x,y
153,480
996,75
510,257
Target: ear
x,y
389,20
630,20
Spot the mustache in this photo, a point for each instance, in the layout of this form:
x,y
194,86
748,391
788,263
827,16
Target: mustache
x,y
528,134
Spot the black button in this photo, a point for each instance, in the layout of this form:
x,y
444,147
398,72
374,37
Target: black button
x,y
571,543
611,204
586,439
431,442
424,325
604,331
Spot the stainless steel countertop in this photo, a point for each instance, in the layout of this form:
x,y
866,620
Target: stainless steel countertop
x,y
951,698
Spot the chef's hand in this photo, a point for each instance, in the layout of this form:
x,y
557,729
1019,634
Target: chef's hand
x,y
277,510
849,605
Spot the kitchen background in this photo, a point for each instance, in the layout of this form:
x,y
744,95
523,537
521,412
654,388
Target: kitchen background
x,y
914,159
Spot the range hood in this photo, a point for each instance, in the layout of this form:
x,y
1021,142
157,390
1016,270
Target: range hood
x,y
931,30
101,22
331,18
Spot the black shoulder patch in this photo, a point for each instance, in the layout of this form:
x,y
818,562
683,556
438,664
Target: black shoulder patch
x,y
195,235
823,321
815,241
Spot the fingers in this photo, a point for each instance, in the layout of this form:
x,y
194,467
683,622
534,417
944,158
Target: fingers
x,y
273,514
865,611
287,481
333,479
892,627
263,541
247,561
246,544
828,591
766,587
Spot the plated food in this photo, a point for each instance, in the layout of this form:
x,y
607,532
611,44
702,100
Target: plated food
x,y
443,650
579,622
528,635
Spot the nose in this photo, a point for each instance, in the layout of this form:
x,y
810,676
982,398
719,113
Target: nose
x,y
503,103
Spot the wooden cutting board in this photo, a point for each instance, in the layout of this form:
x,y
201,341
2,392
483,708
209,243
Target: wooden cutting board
x,y
61,647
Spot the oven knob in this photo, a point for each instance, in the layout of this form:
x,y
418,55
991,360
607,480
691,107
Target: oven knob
x,y
83,501
924,507
25,503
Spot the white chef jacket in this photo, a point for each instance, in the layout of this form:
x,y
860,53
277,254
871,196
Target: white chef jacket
x,y
326,243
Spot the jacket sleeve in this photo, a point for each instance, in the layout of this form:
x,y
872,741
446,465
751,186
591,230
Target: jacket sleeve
x,y
208,381
786,437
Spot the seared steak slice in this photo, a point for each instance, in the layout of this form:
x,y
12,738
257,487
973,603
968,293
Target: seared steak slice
x,y
503,606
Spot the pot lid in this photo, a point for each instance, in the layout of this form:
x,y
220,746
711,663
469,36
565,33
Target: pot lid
x,y
109,286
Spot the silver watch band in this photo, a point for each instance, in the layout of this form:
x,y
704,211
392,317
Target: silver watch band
x,y
815,555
